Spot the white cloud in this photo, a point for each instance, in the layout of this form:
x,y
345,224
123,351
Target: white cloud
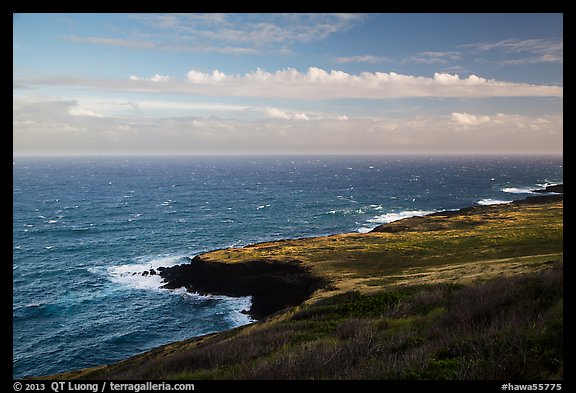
x,y
200,77
276,113
363,59
113,41
168,46
315,83
77,111
533,51
159,78
226,33
467,119
153,78
48,125
432,57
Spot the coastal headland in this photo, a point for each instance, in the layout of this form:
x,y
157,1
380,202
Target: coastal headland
x,y
468,294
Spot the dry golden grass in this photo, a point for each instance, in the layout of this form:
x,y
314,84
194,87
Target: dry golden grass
x,y
495,241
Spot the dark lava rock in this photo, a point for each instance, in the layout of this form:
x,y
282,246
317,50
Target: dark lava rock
x,y
558,188
273,285
540,199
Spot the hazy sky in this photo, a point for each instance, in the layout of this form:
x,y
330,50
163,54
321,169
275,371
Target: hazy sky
x,y
287,83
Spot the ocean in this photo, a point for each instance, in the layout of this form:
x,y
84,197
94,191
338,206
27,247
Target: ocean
x,y
82,226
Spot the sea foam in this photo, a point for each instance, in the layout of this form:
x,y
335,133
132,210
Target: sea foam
x,y
390,217
130,274
518,190
489,201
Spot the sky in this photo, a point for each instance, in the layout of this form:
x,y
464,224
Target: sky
x,y
287,83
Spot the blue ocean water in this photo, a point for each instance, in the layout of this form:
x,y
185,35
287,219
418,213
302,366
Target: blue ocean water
x,y
83,226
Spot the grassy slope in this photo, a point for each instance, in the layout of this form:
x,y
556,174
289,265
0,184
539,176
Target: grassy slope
x,y
491,241
434,297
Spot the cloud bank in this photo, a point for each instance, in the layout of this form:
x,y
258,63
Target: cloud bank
x,y
67,126
315,83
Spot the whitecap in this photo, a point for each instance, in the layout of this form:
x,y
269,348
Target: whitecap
x,y
546,184
517,190
237,308
344,212
130,274
489,201
390,217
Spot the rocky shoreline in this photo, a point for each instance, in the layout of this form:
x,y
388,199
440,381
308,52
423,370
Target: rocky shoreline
x,y
276,285
273,285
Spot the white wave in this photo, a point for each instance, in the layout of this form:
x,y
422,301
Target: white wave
x,y
361,210
134,216
231,307
489,201
236,306
517,190
34,305
130,275
547,184
390,217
